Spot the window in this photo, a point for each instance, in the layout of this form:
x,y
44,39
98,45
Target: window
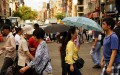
x,y
80,2
80,9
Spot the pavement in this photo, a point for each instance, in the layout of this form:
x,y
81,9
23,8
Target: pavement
x,y
84,52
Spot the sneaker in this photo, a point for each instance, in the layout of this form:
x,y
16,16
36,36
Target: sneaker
x,y
96,66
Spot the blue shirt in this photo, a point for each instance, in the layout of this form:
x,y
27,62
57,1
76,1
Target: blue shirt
x,y
111,43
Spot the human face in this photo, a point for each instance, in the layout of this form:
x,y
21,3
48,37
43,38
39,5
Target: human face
x,y
5,31
21,32
35,38
105,26
74,36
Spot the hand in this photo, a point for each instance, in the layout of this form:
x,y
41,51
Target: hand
x,y
1,52
2,48
109,70
93,47
32,49
22,70
71,68
102,64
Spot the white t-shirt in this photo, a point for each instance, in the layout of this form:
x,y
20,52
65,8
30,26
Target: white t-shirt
x,y
99,37
17,39
23,47
90,32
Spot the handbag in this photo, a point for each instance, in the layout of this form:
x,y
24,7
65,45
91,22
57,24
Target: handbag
x,y
36,71
79,63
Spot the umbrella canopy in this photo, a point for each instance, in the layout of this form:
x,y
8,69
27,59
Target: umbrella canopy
x,y
83,22
56,28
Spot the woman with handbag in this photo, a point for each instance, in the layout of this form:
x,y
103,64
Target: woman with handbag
x,y
41,63
71,52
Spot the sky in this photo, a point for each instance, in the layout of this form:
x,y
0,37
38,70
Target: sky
x,y
35,4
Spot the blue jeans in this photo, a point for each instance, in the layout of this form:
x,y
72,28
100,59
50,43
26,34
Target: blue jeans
x,y
96,56
75,72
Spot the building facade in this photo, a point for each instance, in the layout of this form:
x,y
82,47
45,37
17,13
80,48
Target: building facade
x,y
4,11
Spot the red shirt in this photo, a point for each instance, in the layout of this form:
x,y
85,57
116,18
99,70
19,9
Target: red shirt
x,y
33,44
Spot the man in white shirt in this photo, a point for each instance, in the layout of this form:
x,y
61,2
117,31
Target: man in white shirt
x,y
23,50
19,32
9,49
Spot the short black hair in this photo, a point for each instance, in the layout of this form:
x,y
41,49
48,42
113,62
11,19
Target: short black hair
x,y
36,26
6,27
18,29
39,33
110,22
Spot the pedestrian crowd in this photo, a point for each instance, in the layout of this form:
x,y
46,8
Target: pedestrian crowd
x,y
29,49
109,39
26,50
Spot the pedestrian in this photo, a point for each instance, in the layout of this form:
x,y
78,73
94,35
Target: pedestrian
x,y
95,51
63,53
32,43
36,26
85,33
9,48
41,63
111,52
19,32
89,38
71,52
24,55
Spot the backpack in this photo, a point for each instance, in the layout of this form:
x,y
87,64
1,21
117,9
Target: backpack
x,y
117,31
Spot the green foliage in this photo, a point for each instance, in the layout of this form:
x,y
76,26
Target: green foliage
x,y
17,14
60,16
26,13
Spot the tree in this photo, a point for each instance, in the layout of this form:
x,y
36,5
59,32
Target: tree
x,y
33,15
60,16
26,13
17,14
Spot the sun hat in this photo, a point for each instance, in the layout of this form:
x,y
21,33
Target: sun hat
x,y
28,29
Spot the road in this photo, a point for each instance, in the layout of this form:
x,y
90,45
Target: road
x,y
56,62
84,53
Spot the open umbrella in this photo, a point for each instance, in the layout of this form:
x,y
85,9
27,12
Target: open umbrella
x,y
56,28
83,22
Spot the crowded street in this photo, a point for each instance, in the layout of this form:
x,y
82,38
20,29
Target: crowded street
x,y
59,37
56,61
